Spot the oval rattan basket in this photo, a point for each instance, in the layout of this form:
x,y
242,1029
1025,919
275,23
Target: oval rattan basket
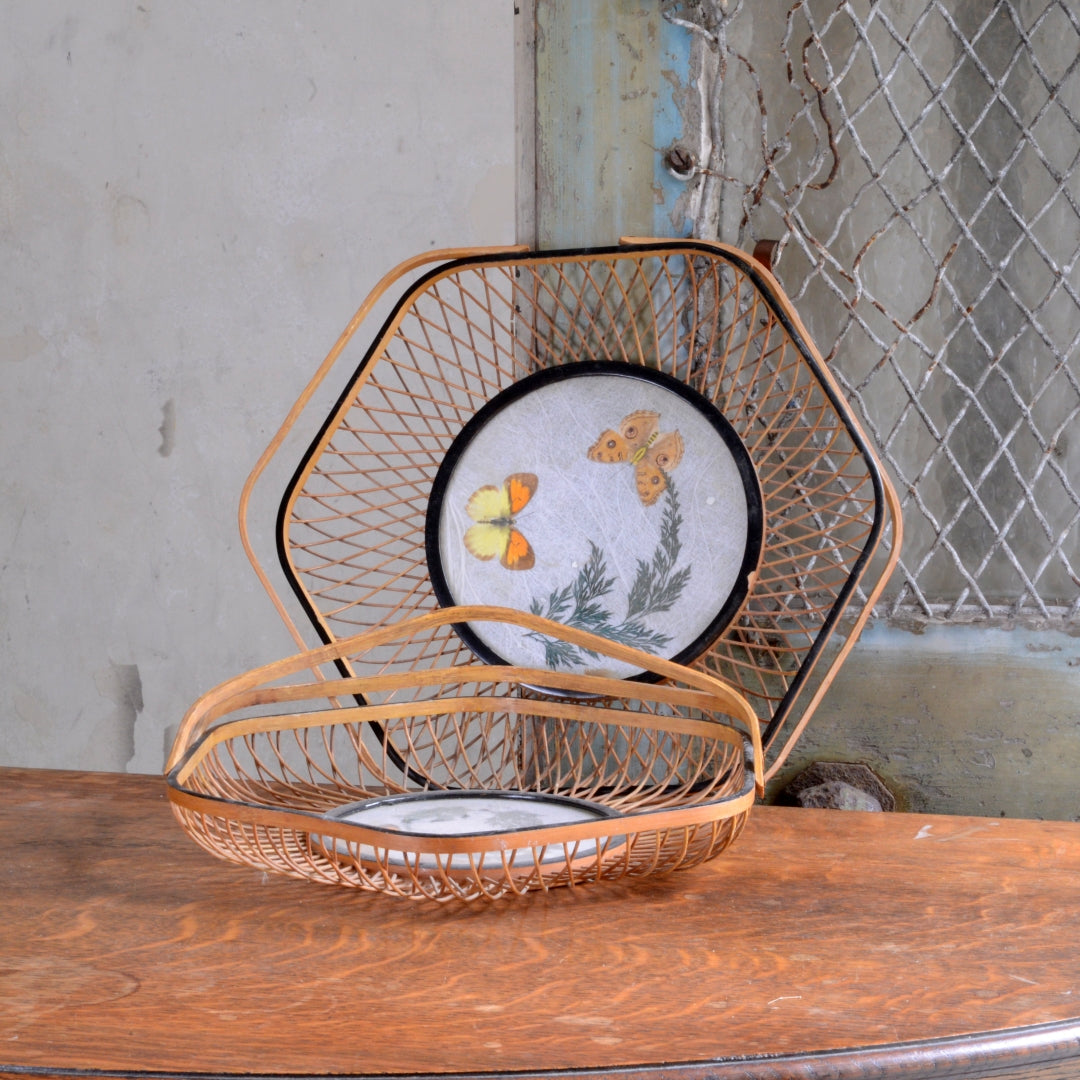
x,y
644,777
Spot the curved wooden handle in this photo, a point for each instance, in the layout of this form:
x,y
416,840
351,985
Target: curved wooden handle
x,y
240,691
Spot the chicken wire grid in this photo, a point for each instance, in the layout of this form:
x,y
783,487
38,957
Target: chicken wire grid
x,y
918,162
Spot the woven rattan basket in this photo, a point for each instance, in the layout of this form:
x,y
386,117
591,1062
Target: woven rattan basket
x,y
630,777
595,396
469,326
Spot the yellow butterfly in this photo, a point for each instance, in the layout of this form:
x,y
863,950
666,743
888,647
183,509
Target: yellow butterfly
x,y
639,442
493,509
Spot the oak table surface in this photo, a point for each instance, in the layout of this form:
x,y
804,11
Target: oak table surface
x,y
822,944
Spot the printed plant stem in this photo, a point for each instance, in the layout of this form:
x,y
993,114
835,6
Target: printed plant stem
x,y
657,587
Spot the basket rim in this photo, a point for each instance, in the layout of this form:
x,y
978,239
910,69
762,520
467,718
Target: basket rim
x,y
705,691
301,821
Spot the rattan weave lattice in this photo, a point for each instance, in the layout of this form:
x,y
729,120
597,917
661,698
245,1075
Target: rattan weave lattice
x,y
469,324
675,767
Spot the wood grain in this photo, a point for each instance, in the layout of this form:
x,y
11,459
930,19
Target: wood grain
x,y
822,944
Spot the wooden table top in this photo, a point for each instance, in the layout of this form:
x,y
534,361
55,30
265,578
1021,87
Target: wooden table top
x,y
822,944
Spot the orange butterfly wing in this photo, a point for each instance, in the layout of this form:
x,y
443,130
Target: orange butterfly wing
x,y
634,432
519,553
610,447
666,452
651,483
519,489
650,474
653,456
639,427
493,509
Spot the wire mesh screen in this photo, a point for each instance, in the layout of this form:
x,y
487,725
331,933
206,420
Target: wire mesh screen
x,y
918,160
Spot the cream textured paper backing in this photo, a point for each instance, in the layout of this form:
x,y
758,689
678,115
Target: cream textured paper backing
x,y
601,558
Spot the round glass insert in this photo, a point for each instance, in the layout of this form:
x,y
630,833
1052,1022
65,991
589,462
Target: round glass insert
x,y
605,496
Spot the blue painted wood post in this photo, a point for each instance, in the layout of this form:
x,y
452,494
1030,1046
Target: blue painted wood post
x,y
610,79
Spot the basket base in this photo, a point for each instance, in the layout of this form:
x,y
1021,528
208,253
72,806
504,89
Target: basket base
x,y
462,815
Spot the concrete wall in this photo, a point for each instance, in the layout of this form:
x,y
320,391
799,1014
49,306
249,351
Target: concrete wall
x,y
957,719
194,198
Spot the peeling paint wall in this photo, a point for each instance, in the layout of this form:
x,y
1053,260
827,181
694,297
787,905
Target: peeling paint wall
x,y
194,198
607,81
956,719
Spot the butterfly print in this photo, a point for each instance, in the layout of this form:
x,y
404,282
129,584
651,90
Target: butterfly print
x,y
495,532
639,443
